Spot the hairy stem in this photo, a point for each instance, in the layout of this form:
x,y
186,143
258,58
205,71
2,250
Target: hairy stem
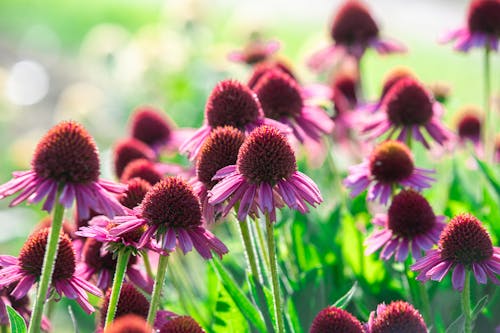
x,y
155,298
278,309
121,267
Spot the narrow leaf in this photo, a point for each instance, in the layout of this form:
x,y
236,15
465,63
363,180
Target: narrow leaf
x,y
343,301
17,324
485,168
479,307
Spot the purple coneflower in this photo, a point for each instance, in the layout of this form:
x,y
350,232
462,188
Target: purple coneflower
x,y
26,270
482,30
66,160
353,30
469,125
128,150
180,324
171,213
256,51
396,317
230,104
284,100
464,245
408,108
410,223
131,301
218,151
261,69
143,169
390,164
265,176
130,323
332,319
135,193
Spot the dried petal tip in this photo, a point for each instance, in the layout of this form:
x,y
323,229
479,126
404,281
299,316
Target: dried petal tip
x,y
143,169
150,127
391,162
172,203
333,319
128,150
266,157
67,154
131,301
484,17
353,23
395,318
464,240
181,324
232,103
219,150
129,324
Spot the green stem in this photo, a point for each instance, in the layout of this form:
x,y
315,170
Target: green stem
x,y
262,246
121,267
4,328
147,264
49,260
155,298
249,249
278,310
489,121
409,281
466,303
409,138
426,304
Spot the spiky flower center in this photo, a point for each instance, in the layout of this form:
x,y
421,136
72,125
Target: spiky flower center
x,y
131,301
32,253
353,24
484,16
410,214
172,203
469,126
128,150
346,84
391,162
333,319
143,169
263,68
135,193
407,103
129,324
392,78
399,317
150,127
67,154
181,324
219,150
279,95
232,103
266,157
464,240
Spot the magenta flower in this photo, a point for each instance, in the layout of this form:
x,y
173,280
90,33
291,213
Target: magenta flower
x,y
256,51
469,126
262,68
128,150
410,223
332,319
407,109
170,214
230,104
265,176
131,301
464,245
65,159
284,100
390,164
398,316
482,29
26,270
143,169
170,322
219,150
353,31
129,323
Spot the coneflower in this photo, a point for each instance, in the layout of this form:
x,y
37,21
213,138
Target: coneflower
x,y
396,317
333,319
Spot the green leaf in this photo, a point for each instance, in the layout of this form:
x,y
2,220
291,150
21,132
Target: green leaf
x,y
227,317
246,307
485,168
344,300
479,307
17,323
457,326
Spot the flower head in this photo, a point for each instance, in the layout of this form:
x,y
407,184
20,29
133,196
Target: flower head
x,y
464,245
410,223
283,99
396,317
256,51
66,160
128,150
150,127
265,175
131,301
408,108
135,193
469,125
170,213
390,164
332,319
26,269
143,169
482,29
181,324
263,68
129,323
353,30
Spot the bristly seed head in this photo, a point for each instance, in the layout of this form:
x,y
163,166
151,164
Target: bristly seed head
x,y
408,103
67,154
393,77
141,168
410,214
172,203
219,150
131,301
148,126
399,317
279,95
135,193
129,324
32,253
181,324
469,124
464,240
128,150
266,157
346,84
353,23
391,162
264,67
484,17
232,103
332,319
